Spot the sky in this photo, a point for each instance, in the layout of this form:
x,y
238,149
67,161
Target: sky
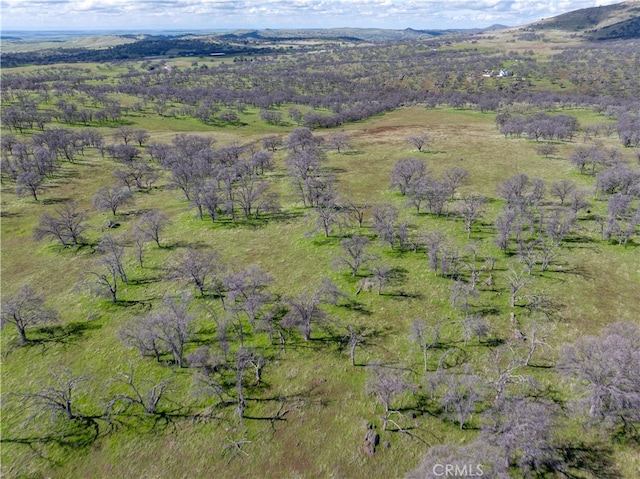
x,y
47,15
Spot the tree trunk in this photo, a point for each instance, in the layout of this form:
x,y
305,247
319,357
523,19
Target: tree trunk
x,y
23,335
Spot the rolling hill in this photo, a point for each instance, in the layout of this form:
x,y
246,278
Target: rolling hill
x,y
611,22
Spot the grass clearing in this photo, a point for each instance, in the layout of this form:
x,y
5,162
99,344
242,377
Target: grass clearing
x,y
595,283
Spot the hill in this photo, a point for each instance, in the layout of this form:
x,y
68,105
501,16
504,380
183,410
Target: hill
x,y
611,22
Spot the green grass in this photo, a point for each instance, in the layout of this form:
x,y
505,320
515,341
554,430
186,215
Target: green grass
x,y
594,284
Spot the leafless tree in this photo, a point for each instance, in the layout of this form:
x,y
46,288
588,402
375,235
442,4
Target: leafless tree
x,y
26,309
504,369
453,178
249,191
607,368
405,171
29,182
356,338
151,224
546,149
578,200
386,384
382,274
106,276
113,249
328,216
420,141
425,336
356,210
471,208
272,142
304,311
200,268
67,225
522,429
475,325
126,133
354,253
384,223
139,240
562,189
517,280
174,325
140,136
139,333
57,401
137,174
463,393
338,141
145,393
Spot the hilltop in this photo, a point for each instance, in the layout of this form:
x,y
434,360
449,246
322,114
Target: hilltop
x,y
611,22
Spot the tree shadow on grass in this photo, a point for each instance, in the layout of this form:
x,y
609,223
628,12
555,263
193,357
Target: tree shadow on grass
x,y
81,433
54,201
597,460
46,336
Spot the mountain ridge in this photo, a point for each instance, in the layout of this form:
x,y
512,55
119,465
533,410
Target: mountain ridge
x,y
609,22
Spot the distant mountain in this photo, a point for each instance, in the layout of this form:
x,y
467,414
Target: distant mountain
x,y
611,22
347,34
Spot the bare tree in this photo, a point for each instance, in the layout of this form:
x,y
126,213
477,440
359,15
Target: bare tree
x,y
546,149
145,393
272,142
607,368
113,249
517,280
471,208
106,276
463,393
384,223
151,224
562,189
137,174
29,182
112,197
356,338
338,140
354,253
140,136
67,225
382,274
420,141
162,331
305,312
405,171
139,240
386,384
56,401
200,268
126,133
356,210
425,336
174,325
523,430
453,178
328,216
26,309
139,333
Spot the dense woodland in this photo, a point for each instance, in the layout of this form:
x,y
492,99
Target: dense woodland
x,y
331,261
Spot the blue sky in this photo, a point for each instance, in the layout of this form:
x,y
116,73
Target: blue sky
x,y
224,14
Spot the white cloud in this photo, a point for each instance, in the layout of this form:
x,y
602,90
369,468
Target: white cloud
x,y
193,14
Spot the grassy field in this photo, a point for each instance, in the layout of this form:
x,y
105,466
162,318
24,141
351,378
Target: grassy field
x,y
594,283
